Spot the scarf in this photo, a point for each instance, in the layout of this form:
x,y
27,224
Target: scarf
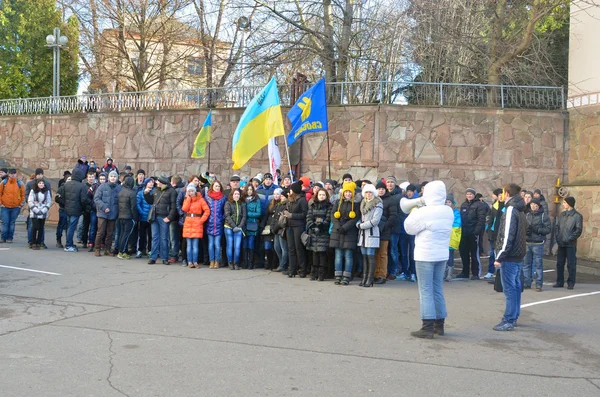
x,y
249,199
215,195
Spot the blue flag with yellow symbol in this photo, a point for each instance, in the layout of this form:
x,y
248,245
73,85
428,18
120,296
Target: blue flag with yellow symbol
x,y
309,114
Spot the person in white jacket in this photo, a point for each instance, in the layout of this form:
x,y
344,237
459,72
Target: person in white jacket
x,y
39,201
431,225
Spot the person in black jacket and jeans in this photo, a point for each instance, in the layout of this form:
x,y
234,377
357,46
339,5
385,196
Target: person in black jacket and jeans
x,y
128,216
472,213
74,194
538,227
164,200
510,251
568,230
296,214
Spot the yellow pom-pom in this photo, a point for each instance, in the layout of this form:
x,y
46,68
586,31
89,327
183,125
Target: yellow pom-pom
x,y
352,215
337,214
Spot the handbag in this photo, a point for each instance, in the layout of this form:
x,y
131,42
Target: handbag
x,y
282,221
252,226
305,238
266,231
498,282
152,213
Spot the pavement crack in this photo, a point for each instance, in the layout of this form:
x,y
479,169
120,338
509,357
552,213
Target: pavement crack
x,y
112,286
592,382
111,365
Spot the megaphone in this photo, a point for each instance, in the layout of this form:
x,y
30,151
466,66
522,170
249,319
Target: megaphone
x,y
407,205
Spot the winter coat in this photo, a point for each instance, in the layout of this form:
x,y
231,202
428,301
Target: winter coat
x,y
91,191
344,234
143,206
75,195
39,203
544,204
265,194
396,225
216,220
29,186
568,228
12,193
235,214
181,196
82,166
538,226
107,196
318,231
197,212
128,201
253,213
511,243
431,225
298,207
273,219
368,233
472,217
493,220
165,201
389,219
108,168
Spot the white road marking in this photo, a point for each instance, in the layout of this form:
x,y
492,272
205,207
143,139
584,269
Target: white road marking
x,y
546,271
30,270
559,299
4,249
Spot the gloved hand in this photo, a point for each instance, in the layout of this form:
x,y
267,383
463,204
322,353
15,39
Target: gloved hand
x,y
236,229
363,226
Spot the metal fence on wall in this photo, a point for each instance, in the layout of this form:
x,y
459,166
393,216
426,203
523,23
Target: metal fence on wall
x,y
346,93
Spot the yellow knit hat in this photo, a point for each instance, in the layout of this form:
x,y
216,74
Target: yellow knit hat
x,y
347,186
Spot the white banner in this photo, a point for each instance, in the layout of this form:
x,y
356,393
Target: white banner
x,y
274,159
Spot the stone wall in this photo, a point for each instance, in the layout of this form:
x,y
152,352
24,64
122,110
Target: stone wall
x,y
480,148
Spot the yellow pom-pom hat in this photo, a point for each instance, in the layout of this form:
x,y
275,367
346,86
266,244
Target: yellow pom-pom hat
x,y
351,187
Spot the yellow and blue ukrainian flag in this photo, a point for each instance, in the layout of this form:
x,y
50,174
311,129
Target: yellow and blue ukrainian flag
x,y
202,138
260,122
309,113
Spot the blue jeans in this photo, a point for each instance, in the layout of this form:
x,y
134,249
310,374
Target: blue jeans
x,y
269,245
118,233
407,248
30,232
249,242
430,276
193,249
343,262
393,260
491,268
160,239
72,222
214,248
450,261
174,236
510,273
234,245
534,263
367,251
62,223
93,227
9,218
282,252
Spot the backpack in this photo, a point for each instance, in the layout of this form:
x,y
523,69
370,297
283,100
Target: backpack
x,y
19,183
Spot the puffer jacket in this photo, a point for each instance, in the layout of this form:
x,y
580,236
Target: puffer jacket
x,y
368,226
344,234
143,206
39,203
216,220
492,220
165,201
75,195
298,207
538,226
107,196
197,212
318,231
12,193
29,186
389,219
568,228
235,214
396,226
82,166
432,224
472,217
181,196
253,213
128,201
513,224
265,194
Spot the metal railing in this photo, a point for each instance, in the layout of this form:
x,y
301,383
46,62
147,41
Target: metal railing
x,y
346,93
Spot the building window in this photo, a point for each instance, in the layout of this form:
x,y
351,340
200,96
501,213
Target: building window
x,y
195,66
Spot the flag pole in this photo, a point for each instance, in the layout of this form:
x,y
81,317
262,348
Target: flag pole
x,y
208,167
328,155
287,151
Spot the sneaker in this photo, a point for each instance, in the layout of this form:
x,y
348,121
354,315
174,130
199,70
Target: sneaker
x,y
462,277
151,262
79,241
9,241
2,241
504,326
489,276
126,256
449,277
184,263
403,277
413,278
29,245
474,277
166,262
71,249
139,254
391,277
538,289
570,286
172,260
120,256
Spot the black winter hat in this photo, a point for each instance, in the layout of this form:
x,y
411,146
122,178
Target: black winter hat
x,y
570,201
4,169
39,171
140,171
67,173
536,201
380,185
296,187
497,192
346,176
411,187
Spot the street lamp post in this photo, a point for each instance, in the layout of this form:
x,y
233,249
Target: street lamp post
x,y
56,41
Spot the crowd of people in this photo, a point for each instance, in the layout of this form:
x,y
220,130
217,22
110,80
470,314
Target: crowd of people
x,y
356,229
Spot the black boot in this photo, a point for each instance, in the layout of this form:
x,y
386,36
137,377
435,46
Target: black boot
x,y
321,273
269,265
59,242
245,258
250,259
365,272
371,271
231,266
426,330
313,272
438,327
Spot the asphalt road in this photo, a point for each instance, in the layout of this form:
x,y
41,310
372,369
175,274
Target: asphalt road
x,y
107,327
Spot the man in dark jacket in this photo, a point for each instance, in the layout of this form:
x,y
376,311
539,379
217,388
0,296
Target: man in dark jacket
x,y
568,230
82,165
472,213
296,214
386,225
164,200
396,228
538,227
90,219
74,194
128,216
510,251
175,235
492,220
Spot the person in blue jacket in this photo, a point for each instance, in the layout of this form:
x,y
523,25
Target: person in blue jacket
x,y
145,230
253,214
106,199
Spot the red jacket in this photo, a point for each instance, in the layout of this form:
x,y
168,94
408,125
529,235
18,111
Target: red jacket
x,y
193,227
